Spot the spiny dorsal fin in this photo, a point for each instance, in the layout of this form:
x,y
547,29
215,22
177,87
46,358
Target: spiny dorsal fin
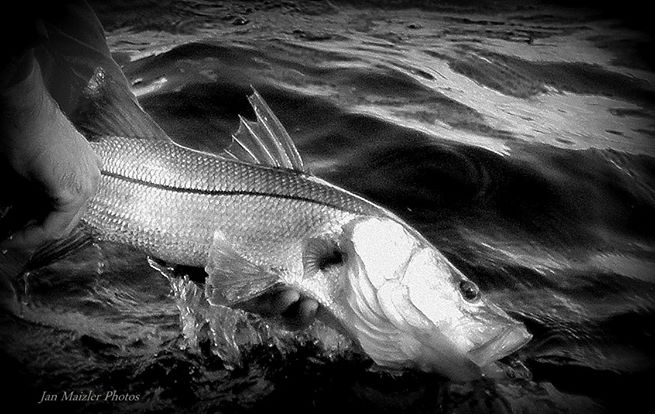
x,y
108,107
265,141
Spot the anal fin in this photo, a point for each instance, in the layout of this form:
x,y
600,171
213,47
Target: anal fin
x,y
233,279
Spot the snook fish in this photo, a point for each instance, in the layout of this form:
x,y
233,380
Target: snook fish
x,y
253,217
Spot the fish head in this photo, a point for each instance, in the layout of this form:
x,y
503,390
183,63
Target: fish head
x,y
408,306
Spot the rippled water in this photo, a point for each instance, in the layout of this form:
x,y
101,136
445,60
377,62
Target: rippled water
x,y
518,138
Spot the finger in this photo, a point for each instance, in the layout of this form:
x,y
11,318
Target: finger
x,y
272,304
8,297
56,225
30,236
301,314
75,221
281,301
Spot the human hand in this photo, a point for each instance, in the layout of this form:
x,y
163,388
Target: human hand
x,y
297,312
41,146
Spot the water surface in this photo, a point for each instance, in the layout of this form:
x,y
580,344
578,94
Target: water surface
x,y
519,138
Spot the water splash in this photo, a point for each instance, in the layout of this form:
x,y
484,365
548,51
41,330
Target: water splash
x,y
231,331
101,263
25,297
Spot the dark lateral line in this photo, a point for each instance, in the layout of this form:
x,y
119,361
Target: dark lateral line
x,y
217,192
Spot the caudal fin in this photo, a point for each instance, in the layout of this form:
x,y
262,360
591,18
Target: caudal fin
x,y
109,108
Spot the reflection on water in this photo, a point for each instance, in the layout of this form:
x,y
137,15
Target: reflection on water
x,y
519,140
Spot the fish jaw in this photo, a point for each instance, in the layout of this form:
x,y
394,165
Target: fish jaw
x,y
508,341
478,331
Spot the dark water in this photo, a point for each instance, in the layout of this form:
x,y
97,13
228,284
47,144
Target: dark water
x,y
519,138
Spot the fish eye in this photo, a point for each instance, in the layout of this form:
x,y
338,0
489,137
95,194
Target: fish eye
x,y
469,290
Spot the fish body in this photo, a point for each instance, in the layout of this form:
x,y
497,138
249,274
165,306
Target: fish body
x,y
253,218
168,201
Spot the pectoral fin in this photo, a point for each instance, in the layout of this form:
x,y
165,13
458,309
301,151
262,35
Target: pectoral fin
x,y
320,254
233,279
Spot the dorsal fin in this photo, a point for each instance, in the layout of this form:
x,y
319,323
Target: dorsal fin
x,y
264,141
108,107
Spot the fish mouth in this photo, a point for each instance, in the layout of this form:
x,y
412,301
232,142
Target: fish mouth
x,y
506,342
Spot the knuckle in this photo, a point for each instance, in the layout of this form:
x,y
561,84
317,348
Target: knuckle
x,y
70,185
95,180
74,190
